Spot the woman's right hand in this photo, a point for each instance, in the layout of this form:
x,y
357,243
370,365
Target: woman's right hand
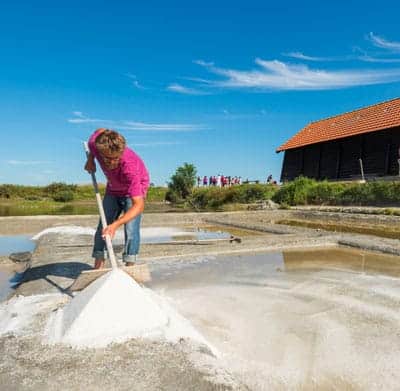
x,y
90,166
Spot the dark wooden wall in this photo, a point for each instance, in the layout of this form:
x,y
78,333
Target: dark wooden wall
x,y
339,159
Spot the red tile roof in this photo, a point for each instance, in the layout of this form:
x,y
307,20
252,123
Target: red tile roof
x,y
368,119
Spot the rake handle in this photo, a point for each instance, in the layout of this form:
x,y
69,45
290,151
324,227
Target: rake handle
x,y
109,245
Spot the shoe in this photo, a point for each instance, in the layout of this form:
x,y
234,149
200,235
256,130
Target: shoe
x,y
127,264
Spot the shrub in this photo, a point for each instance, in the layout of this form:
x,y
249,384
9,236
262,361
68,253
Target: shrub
x,y
295,193
32,198
63,196
56,188
251,193
324,193
215,197
304,191
172,196
5,191
18,191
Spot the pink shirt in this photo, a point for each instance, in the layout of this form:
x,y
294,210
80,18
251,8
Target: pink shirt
x,y
129,179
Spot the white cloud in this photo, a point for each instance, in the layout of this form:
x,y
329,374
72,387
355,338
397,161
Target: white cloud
x,y
131,125
80,118
367,58
135,125
135,82
277,75
175,87
383,43
374,58
203,63
233,115
156,144
26,162
302,56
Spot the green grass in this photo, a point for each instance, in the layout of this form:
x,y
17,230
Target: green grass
x,y
306,191
63,199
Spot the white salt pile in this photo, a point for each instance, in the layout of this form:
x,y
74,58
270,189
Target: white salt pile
x,y
65,229
113,309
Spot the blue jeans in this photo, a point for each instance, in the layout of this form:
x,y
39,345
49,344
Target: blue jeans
x,y
113,206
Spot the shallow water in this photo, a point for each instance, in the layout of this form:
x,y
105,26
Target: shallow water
x,y
322,319
173,234
15,243
8,245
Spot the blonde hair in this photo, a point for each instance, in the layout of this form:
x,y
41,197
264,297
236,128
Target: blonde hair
x,y
110,141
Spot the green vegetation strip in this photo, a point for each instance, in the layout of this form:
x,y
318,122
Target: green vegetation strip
x,y
182,195
306,191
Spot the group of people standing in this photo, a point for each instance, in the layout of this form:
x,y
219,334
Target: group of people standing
x,y
219,180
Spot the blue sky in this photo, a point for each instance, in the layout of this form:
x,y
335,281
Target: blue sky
x,y
217,84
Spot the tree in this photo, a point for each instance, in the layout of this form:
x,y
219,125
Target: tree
x,y
182,183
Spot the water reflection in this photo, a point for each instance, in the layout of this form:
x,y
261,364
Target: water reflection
x,y
342,259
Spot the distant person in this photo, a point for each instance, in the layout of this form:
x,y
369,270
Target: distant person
x,y
127,184
205,180
269,179
198,181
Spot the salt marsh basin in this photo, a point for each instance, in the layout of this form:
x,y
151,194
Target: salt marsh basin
x,y
296,319
302,319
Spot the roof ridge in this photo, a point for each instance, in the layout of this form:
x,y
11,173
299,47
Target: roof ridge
x,y
352,111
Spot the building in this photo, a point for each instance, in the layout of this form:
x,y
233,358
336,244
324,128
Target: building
x,y
349,146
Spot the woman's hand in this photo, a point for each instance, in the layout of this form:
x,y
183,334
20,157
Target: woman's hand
x,y
90,166
110,230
